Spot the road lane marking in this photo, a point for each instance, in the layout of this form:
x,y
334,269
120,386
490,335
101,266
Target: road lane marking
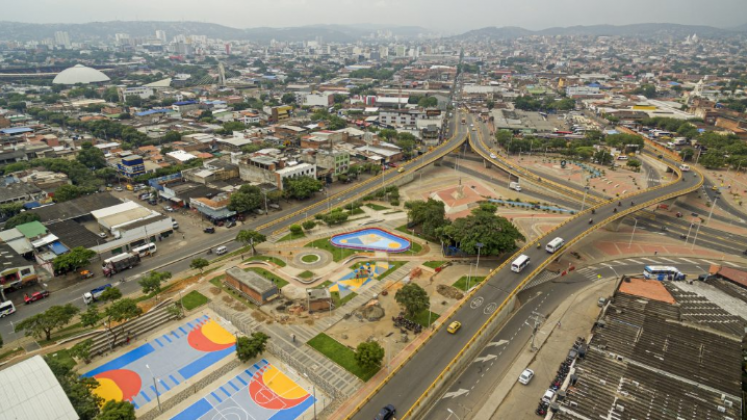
x,y
484,358
634,261
686,260
668,260
731,264
709,262
460,391
651,261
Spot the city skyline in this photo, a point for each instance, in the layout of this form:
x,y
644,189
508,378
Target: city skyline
x,y
436,15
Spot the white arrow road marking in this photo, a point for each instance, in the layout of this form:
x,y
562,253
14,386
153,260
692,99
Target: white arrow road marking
x,y
453,394
497,343
485,358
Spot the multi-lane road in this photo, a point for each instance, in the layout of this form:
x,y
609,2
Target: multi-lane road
x,y
408,383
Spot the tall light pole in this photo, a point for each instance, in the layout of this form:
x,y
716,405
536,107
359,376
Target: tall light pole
x,y
583,202
479,246
155,385
633,235
313,392
713,206
692,222
696,236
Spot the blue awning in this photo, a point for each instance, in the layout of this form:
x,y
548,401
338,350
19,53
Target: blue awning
x,y
58,248
32,205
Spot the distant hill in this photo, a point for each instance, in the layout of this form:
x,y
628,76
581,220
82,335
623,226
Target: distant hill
x,y
642,30
103,31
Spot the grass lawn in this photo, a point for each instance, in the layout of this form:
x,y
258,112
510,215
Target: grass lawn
x,y
276,261
434,264
376,207
279,282
354,212
64,357
152,294
218,282
292,236
408,232
310,258
306,274
339,302
338,254
11,352
326,283
393,265
461,284
422,318
341,355
194,299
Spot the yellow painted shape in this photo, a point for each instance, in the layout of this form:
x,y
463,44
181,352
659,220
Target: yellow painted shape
x,y
217,334
108,390
282,385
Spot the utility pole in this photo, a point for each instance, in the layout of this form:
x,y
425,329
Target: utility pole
x,y
538,320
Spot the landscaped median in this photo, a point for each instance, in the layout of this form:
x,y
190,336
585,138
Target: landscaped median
x,y
461,284
274,260
341,355
193,300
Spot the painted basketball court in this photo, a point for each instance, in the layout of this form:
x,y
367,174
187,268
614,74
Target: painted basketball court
x,y
262,392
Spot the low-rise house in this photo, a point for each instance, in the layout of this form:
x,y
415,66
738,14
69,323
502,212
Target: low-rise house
x,y
256,288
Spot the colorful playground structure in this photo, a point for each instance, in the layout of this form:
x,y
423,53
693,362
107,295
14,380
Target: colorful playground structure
x,y
372,239
358,278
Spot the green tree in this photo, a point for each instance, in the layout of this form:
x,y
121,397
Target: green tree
x,y
117,410
633,163
336,123
247,348
428,102
288,99
171,136
91,317
41,325
79,390
712,160
335,217
77,257
199,264
387,134
230,127
91,157
246,199
687,153
308,225
603,157
251,237
21,218
296,229
503,137
302,187
152,281
496,233
67,192
11,209
110,294
413,297
369,355
111,95
430,215
119,312
82,350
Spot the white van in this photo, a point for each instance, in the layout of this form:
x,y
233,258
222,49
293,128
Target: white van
x,y
515,186
519,263
221,250
684,168
554,245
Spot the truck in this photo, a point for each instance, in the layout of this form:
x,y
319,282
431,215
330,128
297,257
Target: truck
x,y
120,262
515,186
94,294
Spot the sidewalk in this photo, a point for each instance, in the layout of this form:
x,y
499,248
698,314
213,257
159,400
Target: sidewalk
x,y
576,316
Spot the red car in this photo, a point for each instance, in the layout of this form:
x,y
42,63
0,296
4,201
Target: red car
x,y
35,296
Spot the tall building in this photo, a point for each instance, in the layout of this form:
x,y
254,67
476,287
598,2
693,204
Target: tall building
x,y
161,35
121,39
62,39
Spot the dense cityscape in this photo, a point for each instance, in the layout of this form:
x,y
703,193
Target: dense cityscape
x,y
372,221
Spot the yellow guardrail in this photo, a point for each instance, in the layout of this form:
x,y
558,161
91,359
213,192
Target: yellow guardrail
x,y
531,275
659,148
528,175
411,166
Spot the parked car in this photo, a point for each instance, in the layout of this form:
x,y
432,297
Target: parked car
x,y
526,376
35,296
118,189
209,230
168,208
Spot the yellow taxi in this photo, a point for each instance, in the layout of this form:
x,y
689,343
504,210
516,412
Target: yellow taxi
x,y
400,170
454,327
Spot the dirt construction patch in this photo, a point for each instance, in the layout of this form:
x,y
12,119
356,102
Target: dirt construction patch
x,y
449,292
370,312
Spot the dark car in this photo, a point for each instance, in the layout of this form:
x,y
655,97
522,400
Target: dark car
x,y
386,413
35,296
209,230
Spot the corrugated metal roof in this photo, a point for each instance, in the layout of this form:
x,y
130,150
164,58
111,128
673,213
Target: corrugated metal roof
x,y
31,391
16,130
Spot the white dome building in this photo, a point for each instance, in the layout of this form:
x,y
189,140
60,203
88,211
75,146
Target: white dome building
x,y
79,74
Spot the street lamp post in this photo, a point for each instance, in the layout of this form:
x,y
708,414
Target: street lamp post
x,y
155,385
713,206
692,222
633,235
479,246
583,202
696,236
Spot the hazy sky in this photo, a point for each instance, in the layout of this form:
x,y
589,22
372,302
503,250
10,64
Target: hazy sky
x,y
446,15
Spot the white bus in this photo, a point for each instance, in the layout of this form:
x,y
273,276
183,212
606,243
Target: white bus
x,y
6,308
662,272
519,263
554,245
145,250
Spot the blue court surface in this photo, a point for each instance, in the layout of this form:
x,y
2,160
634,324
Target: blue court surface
x,y
371,239
262,392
